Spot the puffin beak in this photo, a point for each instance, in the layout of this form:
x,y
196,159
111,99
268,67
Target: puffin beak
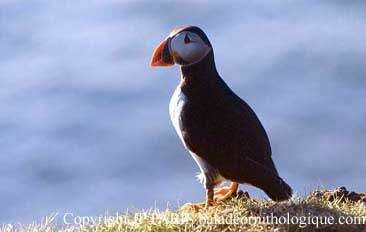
x,y
161,55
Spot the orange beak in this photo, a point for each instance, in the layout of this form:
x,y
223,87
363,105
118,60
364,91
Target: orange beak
x,y
161,55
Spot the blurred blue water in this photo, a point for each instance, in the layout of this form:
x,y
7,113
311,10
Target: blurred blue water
x,y
84,124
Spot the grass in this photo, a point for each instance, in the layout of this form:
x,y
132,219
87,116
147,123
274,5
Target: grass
x,y
316,211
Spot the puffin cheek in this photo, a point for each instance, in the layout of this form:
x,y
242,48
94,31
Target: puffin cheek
x,y
178,58
194,53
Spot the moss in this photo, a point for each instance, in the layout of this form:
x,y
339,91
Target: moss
x,y
316,211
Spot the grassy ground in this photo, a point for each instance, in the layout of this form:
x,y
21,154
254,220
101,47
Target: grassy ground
x,y
322,210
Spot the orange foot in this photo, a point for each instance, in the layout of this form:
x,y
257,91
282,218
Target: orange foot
x,y
196,207
225,193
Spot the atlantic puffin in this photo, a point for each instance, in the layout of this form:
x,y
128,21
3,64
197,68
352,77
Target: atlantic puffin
x,y
219,129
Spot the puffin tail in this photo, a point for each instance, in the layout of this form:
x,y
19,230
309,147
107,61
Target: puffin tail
x,y
277,189
267,179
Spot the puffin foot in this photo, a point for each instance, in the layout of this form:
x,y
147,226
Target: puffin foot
x,y
195,207
212,203
225,193
210,200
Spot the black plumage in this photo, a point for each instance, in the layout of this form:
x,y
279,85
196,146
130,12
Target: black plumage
x,y
222,130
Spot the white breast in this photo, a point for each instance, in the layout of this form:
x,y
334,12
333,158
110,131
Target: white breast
x,y
175,108
208,173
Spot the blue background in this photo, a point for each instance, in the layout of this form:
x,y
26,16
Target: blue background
x,y
84,123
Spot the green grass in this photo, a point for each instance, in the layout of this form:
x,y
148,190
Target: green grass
x,y
238,214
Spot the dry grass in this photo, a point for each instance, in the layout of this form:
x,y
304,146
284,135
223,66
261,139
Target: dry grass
x,y
235,215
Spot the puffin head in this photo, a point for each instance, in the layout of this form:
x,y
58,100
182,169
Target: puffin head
x,y
184,46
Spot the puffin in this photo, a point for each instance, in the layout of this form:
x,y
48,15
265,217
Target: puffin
x,y
219,129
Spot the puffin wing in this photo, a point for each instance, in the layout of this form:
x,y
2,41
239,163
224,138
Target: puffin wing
x,y
227,134
231,139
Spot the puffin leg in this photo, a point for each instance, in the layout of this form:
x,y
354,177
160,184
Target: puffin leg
x,y
225,193
197,206
209,197
210,201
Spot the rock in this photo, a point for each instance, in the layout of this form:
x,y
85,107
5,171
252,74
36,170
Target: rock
x,y
341,194
242,194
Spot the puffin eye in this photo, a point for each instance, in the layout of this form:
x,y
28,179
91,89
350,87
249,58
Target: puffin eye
x,y
187,39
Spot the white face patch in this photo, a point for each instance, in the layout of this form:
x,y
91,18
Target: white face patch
x,y
189,47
